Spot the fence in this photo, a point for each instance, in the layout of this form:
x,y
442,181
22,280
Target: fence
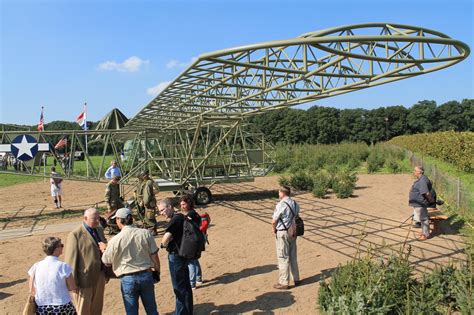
x,y
452,190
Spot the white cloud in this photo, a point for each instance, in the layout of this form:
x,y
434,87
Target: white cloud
x,y
155,90
178,64
131,64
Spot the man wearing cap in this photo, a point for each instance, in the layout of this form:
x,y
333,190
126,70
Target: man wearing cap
x,y
148,200
83,250
133,255
113,170
112,196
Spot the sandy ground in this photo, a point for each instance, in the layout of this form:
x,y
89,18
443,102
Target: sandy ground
x,y
239,265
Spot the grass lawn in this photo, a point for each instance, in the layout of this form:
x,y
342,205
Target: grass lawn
x,y
9,179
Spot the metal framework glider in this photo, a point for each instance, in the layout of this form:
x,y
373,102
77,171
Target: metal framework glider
x,y
194,132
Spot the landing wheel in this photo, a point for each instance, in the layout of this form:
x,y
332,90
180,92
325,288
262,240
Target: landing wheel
x,y
202,196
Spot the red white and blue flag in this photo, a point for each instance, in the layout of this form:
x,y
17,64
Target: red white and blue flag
x,y
41,121
82,119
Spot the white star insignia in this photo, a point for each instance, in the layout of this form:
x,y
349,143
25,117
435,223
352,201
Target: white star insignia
x,y
24,147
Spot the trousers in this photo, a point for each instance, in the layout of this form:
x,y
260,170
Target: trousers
x,y
89,301
287,257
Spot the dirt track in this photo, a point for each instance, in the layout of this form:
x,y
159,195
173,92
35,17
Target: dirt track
x,y
239,266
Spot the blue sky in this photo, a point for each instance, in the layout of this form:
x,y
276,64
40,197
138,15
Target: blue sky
x,y
60,54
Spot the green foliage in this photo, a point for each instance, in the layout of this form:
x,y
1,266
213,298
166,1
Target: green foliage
x,y
301,181
456,148
321,183
366,287
388,286
393,166
344,183
325,125
283,181
375,161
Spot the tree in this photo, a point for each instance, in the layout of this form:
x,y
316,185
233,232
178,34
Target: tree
x,y
422,117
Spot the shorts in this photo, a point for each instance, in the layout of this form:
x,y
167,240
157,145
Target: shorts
x,y
55,191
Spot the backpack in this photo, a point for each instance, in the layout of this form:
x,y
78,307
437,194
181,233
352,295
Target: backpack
x,y
193,240
296,227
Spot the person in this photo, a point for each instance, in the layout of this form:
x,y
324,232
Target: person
x,y
112,196
187,208
113,170
420,198
178,265
84,248
147,201
132,254
56,187
285,212
51,280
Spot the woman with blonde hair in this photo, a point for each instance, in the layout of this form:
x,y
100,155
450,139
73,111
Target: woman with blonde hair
x,y
51,280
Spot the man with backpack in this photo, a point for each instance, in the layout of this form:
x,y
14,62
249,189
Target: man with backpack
x,y
283,217
177,253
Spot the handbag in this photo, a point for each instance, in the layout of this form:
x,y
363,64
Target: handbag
x,y
296,227
30,307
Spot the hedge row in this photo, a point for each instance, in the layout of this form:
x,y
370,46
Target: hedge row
x,y
456,148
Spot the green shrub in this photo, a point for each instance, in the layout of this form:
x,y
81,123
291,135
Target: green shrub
x,y
344,183
321,183
284,181
393,166
366,287
388,286
301,181
353,163
375,161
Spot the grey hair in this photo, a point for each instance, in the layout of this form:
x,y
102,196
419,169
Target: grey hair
x,y
166,202
50,244
89,211
422,170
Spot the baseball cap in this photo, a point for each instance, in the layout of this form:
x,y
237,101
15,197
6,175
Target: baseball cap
x,y
122,213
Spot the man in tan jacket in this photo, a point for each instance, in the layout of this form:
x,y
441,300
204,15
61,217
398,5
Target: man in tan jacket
x,y
84,248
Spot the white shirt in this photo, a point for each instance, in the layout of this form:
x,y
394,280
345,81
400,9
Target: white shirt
x,y
283,211
50,281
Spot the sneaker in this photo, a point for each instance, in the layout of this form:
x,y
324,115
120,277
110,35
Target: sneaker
x,y
193,288
279,286
198,283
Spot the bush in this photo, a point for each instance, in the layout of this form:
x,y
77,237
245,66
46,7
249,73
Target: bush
x,y
321,183
284,181
301,181
344,184
375,161
393,166
365,286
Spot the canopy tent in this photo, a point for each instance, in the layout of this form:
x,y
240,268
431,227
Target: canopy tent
x,y
114,120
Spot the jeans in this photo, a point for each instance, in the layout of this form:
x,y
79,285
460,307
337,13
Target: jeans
x,y
181,285
195,272
135,286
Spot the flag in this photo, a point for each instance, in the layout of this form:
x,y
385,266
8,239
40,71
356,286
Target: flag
x,y
41,122
61,143
82,119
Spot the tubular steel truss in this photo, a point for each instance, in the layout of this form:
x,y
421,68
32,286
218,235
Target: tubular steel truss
x,y
194,133
224,86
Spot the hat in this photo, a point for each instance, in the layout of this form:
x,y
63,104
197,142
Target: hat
x,y
122,213
144,173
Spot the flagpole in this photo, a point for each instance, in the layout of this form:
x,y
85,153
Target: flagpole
x,y
87,151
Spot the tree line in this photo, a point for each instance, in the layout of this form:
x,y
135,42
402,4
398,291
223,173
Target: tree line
x,y
326,125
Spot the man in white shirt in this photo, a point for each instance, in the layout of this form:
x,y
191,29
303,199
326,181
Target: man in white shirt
x,y
284,214
133,255
113,170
